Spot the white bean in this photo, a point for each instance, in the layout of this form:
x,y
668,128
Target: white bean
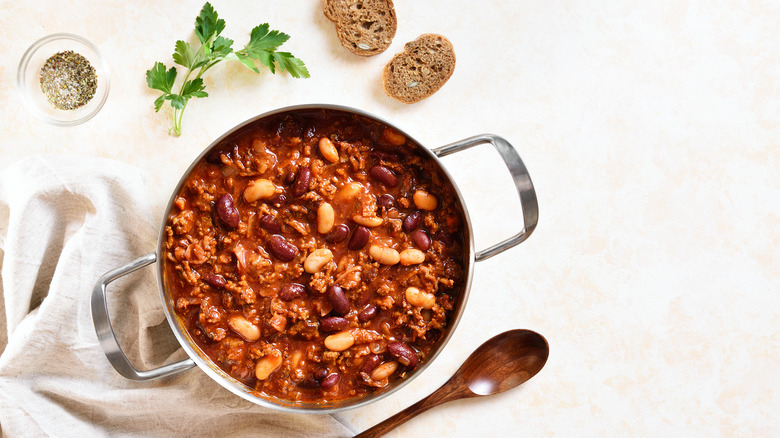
x,y
339,341
317,260
267,365
326,218
349,191
412,256
259,189
243,327
424,200
384,370
328,150
384,255
367,221
418,298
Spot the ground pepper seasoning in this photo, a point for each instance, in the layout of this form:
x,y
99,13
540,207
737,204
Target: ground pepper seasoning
x,y
68,80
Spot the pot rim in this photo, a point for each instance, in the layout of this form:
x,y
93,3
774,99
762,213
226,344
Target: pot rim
x,y
205,364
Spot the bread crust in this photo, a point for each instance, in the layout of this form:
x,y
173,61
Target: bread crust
x,y
424,66
365,27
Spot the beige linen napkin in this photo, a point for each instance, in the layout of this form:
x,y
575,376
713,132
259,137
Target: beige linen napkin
x,y
64,222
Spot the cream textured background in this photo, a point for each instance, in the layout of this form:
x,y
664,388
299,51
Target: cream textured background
x,y
651,133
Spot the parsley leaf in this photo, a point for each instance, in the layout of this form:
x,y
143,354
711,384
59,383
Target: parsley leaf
x,y
221,47
262,40
262,47
184,54
193,88
213,49
293,65
208,25
243,58
158,79
178,101
158,103
267,58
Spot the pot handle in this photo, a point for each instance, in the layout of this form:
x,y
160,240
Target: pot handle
x,y
105,332
521,178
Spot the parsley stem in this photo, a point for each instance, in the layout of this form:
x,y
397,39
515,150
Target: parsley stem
x,y
213,50
206,67
177,115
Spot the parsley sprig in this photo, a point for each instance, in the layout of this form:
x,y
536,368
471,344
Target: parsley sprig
x,y
213,49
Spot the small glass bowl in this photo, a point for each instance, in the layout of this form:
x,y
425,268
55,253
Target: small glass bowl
x,y
29,74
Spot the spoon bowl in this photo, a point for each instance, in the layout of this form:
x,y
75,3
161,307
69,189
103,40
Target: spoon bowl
x,y
505,361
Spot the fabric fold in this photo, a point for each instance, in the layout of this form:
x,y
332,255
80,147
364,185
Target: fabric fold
x,y
64,222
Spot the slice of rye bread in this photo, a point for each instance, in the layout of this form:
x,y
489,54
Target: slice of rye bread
x,y
365,27
420,70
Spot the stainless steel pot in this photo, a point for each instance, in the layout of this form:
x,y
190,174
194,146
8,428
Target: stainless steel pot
x,y
117,358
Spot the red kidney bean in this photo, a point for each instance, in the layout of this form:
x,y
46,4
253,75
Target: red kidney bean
x,y
337,234
301,184
214,157
320,373
214,280
387,201
333,324
290,177
403,352
359,238
364,298
421,239
338,300
289,128
280,248
386,155
367,313
268,223
278,200
291,291
384,175
412,220
243,373
227,211
371,362
445,237
309,383
330,381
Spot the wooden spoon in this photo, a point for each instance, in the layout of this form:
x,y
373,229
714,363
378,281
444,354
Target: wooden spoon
x,y
503,362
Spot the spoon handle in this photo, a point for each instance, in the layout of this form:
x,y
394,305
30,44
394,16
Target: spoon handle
x,y
442,395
